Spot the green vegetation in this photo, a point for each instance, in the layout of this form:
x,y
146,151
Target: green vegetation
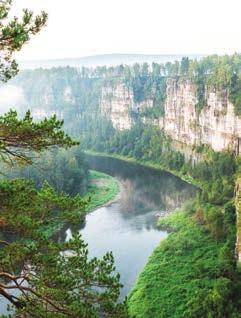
x,y
103,189
207,240
196,265
189,275
15,33
65,170
28,214
142,142
40,277
75,94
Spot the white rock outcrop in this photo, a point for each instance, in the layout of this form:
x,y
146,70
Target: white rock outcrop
x,y
216,125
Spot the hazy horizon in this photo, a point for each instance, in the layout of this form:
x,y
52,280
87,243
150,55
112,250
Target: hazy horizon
x,y
103,60
79,28
114,54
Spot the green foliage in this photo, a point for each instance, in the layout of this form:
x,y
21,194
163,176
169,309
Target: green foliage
x,y
184,67
103,188
14,33
63,281
40,277
235,93
57,280
220,73
198,261
143,142
189,275
200,86
193,273
25,209
19,137
64,170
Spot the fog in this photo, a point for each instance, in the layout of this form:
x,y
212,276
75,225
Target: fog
x,y
10,97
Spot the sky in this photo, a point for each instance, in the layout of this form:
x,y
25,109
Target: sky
x,y
78,28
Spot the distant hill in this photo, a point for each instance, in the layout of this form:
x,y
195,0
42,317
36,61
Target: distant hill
x,y
105,59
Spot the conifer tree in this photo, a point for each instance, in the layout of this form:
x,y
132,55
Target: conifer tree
x,y
40,277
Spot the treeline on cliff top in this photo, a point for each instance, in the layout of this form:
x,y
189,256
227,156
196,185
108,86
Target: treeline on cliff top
x,y
147,81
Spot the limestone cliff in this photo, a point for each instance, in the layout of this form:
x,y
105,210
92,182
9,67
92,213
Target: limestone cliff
x,y
49,104
216,125
118,103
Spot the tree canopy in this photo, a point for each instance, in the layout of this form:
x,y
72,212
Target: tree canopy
x,y
19,137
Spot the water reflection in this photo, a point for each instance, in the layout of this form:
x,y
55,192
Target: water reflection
x,y
128,226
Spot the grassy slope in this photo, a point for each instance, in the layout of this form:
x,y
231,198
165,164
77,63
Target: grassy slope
x,y
182,264
104,191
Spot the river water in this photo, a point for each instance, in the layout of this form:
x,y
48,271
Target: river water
x,y
127,227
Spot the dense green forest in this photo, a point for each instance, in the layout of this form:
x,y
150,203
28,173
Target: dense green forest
x,y
193,273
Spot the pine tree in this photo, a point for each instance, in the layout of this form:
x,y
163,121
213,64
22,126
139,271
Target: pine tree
x,y
39,276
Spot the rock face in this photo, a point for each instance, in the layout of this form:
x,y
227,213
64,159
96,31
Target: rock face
x,y
216,125
118,103
48,105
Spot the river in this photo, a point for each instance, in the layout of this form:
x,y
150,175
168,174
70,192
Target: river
x,y
128,226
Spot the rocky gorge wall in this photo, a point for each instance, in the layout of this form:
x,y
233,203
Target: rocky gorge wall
x,y
216,125
69,97
118,103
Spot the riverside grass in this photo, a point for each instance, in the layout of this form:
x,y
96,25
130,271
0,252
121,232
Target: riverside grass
x,y
101,194
180,274
148,164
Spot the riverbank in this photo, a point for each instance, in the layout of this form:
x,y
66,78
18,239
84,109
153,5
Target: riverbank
x,y
102,190
193,272
148,164
183,277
